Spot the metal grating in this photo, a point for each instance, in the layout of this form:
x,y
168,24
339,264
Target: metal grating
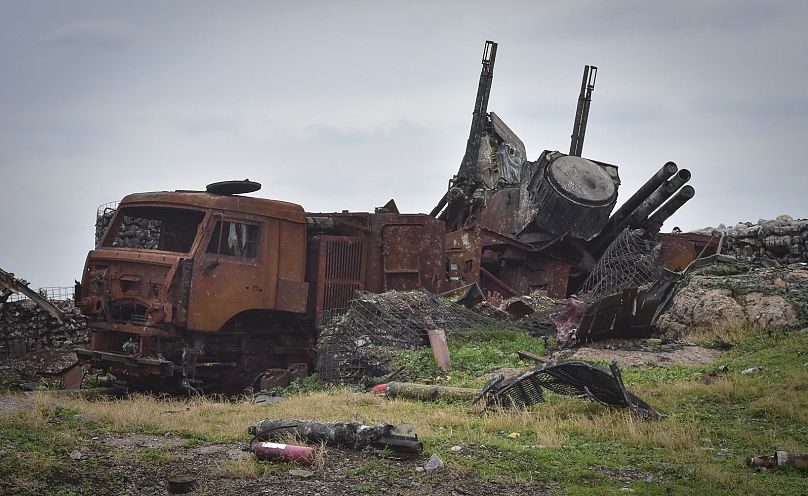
x,y
343,259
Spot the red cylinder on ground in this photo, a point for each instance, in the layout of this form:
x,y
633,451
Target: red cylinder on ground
x,y
289,452
379,389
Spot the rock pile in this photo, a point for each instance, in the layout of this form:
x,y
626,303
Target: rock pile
x,y
24,327
102,222
783,239
136,232
724,296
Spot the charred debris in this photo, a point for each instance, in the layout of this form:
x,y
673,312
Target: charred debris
x,y
214,291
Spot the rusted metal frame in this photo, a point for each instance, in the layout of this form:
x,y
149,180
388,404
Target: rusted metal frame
x,y
14,285
499,282
105,360
505,239
132,329
321,275
202,234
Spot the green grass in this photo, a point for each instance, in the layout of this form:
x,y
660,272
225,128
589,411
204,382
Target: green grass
x,y
473,354
714,417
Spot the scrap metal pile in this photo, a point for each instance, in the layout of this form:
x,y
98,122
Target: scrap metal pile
x,y
516,226
363,341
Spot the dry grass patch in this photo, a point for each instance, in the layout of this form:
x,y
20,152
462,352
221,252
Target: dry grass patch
x,y
623,426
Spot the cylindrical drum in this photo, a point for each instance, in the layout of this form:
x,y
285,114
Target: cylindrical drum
x,y
290,452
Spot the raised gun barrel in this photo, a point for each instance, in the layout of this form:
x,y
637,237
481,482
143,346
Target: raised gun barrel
x,y
670,207
657,198
469,174
468,168
582,112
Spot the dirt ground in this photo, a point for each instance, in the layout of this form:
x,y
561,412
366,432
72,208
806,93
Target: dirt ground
x,y
641,352
137,463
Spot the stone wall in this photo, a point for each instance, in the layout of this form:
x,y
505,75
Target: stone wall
x,y
783,239
721,297
24,327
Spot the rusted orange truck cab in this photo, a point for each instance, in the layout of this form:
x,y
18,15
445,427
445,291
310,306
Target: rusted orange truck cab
x,y
207,291
174,266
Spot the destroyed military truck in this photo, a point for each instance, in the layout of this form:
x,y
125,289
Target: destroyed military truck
x,y
208,290
205,290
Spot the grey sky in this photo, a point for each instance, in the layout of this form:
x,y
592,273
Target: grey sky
x,y
344,105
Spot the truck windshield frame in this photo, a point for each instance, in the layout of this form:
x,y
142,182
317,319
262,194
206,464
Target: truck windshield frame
x,y
158,228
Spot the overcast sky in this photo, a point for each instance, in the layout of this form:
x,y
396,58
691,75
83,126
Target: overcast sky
x,y
344,105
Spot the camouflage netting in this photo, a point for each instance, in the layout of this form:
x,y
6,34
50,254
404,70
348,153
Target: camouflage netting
x,y
631,260
364,341
725,295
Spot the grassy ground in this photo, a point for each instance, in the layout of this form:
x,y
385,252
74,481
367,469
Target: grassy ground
x,y
715,417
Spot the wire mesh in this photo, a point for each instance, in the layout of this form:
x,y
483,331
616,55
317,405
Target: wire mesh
x,y
104,207
103,216
631,260
364,340
55,293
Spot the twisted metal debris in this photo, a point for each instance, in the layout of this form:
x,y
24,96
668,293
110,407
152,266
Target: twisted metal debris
x,y
570,378
631,260
363,341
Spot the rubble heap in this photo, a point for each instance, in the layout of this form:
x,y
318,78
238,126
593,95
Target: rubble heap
x,y
722,296
364,341
25,327
783,239
136,232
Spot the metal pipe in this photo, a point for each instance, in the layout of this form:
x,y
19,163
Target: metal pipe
x,y
659,217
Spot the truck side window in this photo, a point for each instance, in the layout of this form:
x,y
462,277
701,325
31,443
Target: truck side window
x,y
234,239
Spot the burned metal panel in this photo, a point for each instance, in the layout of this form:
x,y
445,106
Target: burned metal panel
x,y
292,294
511,152
339,271
411,255
630,313
498,213
225,284
462,258
570,378
232,203
679,250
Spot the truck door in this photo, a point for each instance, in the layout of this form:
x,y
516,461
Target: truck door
x,y
228,274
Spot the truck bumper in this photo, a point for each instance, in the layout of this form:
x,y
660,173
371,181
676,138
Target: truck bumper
x,y
129,365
